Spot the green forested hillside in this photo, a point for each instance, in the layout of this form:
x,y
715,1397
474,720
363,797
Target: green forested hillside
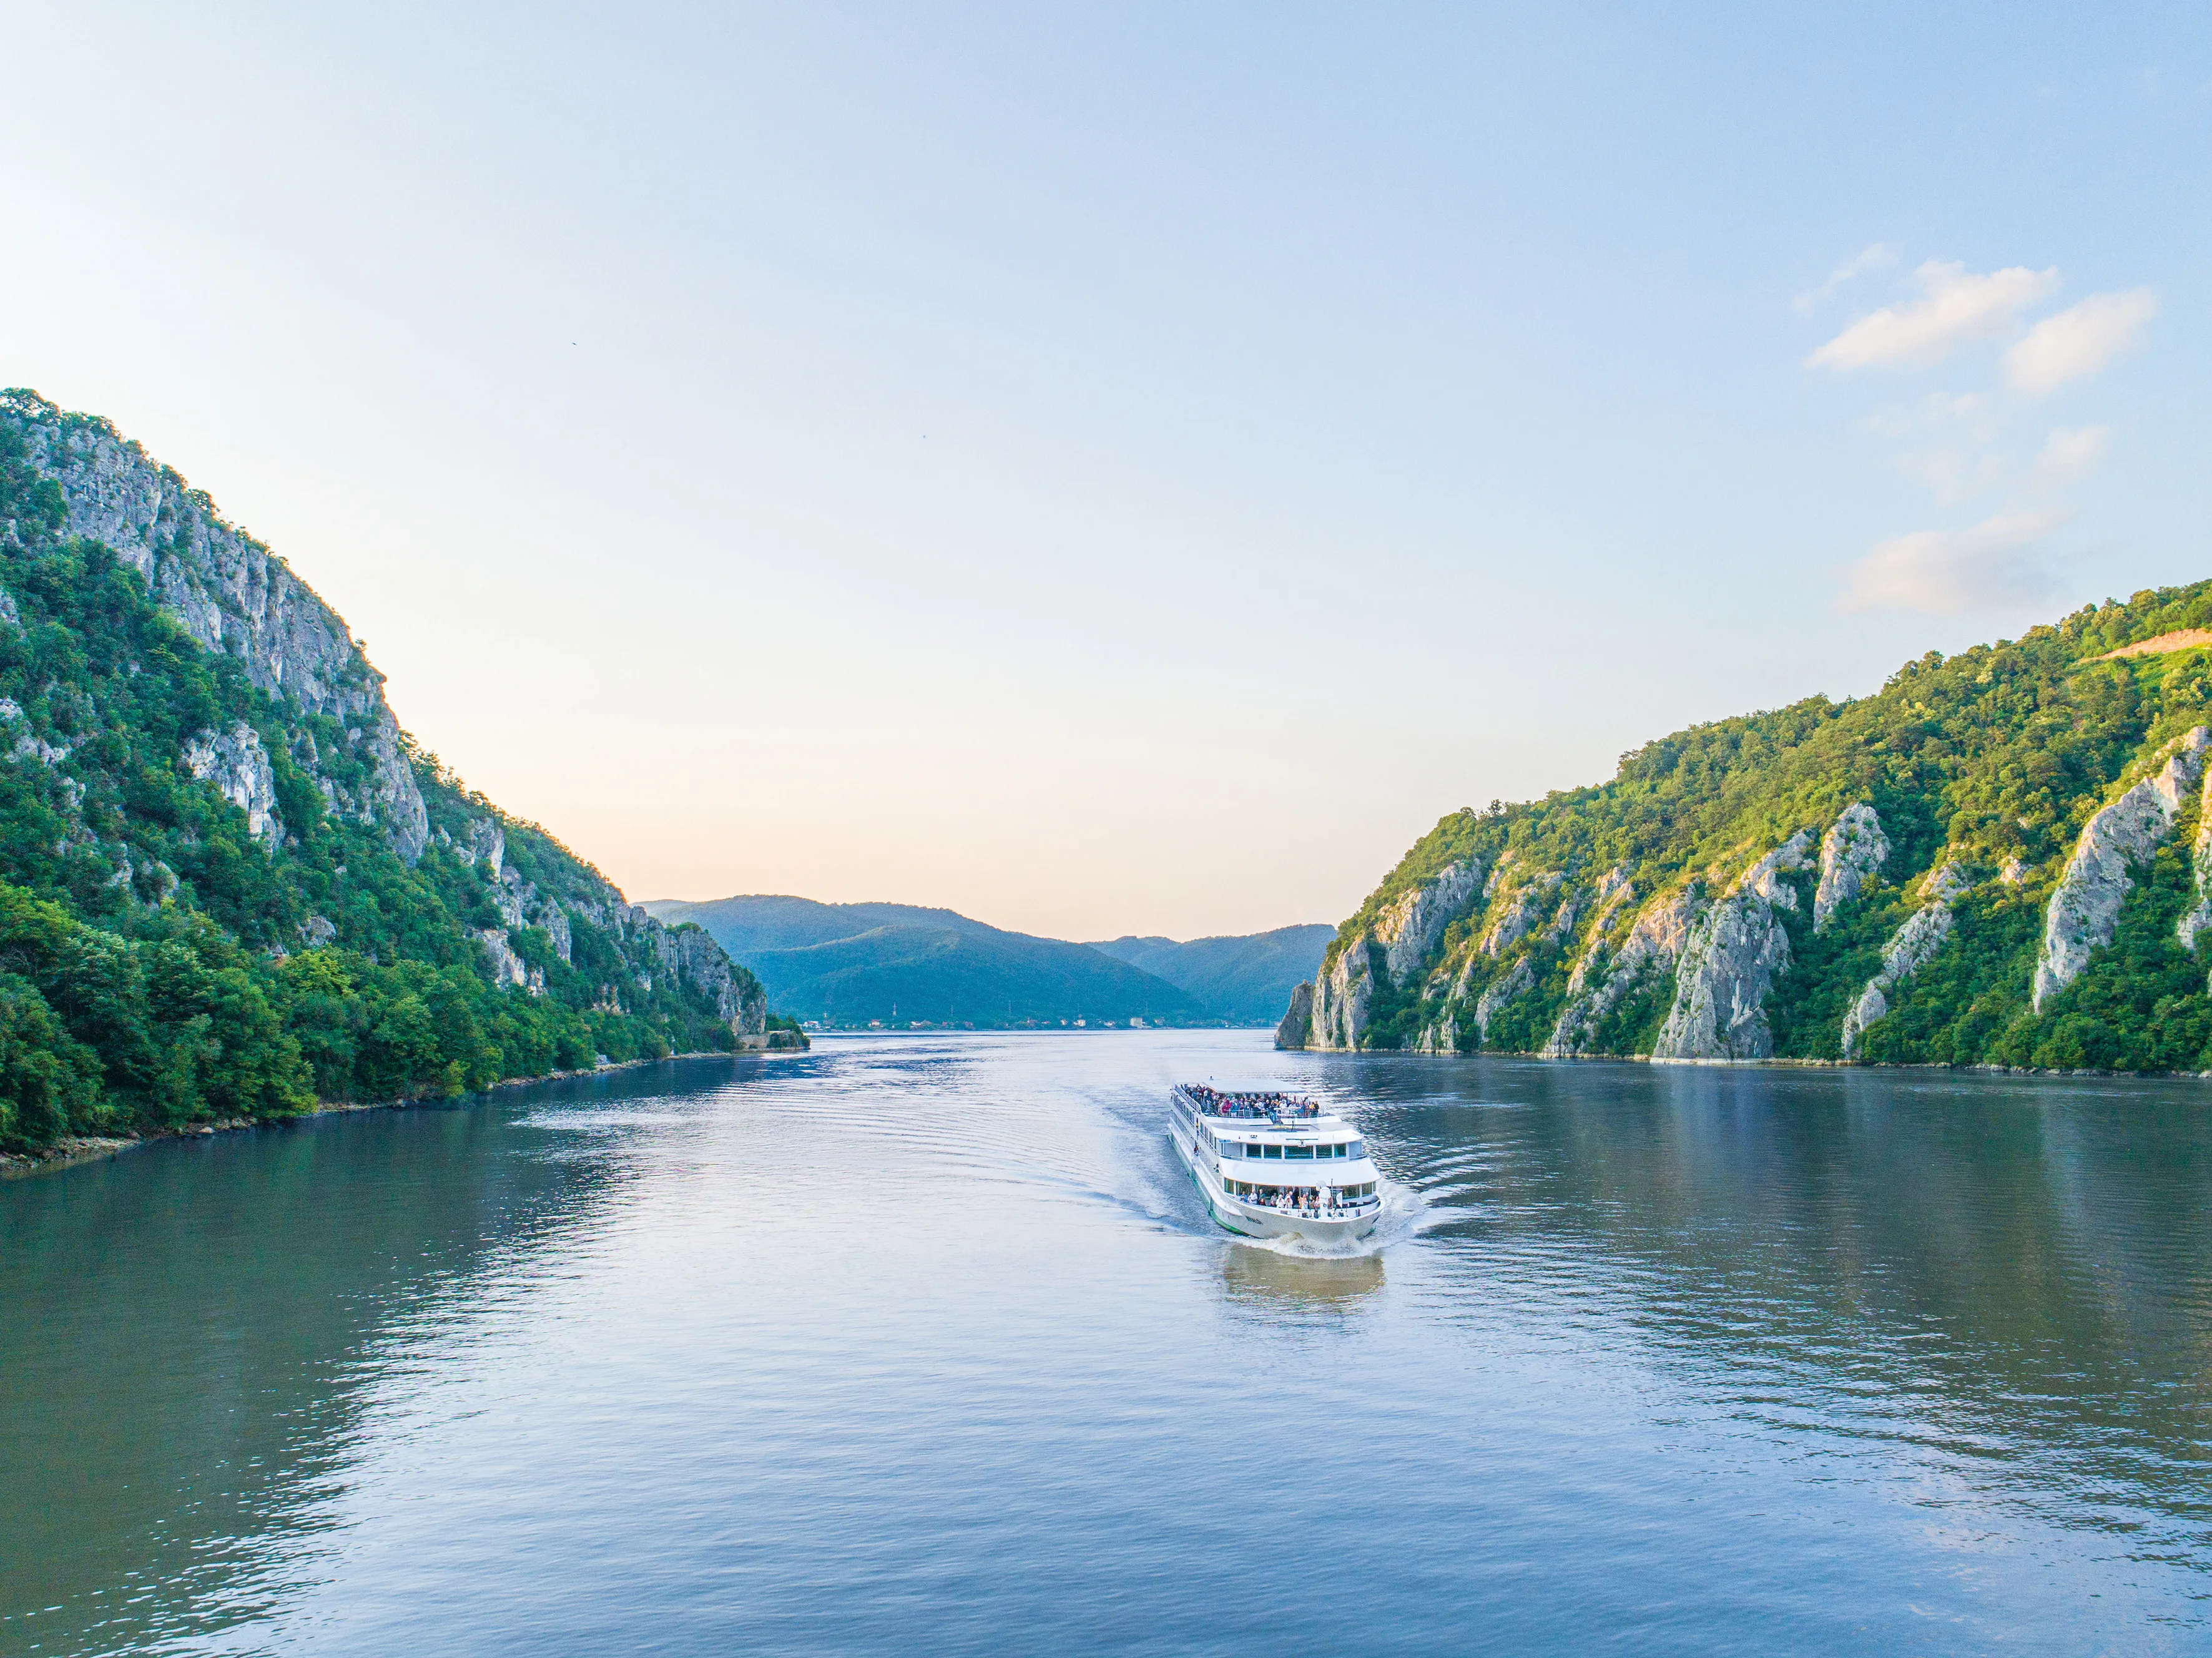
x,y
229,885
1998,858
855,964
1243,978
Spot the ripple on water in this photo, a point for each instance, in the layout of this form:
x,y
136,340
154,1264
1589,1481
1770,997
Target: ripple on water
x,y
927,1344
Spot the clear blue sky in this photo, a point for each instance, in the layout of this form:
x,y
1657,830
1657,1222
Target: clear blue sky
x,y
1128,469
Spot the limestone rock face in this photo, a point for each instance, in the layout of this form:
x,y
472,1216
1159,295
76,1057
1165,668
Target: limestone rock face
x,y
507,967
1909,950
236,763
233,595
1730,961
1411,924
1946,881
688,952
1654,945
1343,993
1500,991
485,843
1297,1023
2085,906
1850,852
1515,924
519,902
2200,916
1613,890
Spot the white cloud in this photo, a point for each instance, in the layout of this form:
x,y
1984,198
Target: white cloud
x,y
1880,256
1953,475
2073,452
2080,340
1958,307
1970,415
1994,565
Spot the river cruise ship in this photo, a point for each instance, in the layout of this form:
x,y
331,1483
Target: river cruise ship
x,y
1272,1165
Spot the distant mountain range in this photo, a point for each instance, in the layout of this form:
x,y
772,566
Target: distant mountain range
x,y
1245,979
853,965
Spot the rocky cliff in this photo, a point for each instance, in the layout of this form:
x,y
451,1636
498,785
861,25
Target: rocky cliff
x,y
2001,857
229,880
236,597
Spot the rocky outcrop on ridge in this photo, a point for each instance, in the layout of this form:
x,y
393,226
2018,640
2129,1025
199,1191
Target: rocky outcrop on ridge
x,y
2200,914
1343,993
1851,852
684,951
1730,963
1297,1027
2085,909
233,596
1515,924
1652,948
1910,948
1408,929
236,763
1499,992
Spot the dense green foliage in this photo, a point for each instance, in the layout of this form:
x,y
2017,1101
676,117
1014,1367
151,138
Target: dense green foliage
x,y
155,970
1995,758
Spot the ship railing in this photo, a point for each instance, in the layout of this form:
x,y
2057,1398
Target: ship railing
x,y
1350,1210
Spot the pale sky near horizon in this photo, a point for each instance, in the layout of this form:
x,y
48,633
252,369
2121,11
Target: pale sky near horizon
x,y
1128,469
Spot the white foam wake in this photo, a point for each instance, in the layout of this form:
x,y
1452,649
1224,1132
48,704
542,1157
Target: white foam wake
x,y
1406,1212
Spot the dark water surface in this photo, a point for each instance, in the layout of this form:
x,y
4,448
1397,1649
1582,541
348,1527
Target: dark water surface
x,y
924,1345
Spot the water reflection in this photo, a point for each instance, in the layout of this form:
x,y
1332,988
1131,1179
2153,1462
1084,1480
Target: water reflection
x,y
2009,1277
1274,1282
190,1328
905,1345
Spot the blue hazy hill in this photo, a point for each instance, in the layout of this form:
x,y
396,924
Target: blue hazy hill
x,y
847,965
1245,979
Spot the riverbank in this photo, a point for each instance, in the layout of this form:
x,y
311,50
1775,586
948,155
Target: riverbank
x,y
89,1148
1778,1062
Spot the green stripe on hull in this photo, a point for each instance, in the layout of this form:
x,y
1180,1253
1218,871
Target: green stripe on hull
x,y
1205,1197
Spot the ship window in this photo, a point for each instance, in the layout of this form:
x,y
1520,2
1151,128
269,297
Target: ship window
x,y
1299,1151
1271,1152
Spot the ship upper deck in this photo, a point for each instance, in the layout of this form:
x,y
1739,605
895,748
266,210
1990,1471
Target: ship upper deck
x,y
1260,1109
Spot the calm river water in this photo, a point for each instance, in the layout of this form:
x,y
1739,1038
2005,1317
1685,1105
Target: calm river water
x,y
925,1345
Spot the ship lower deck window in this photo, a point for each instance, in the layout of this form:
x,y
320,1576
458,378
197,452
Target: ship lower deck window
x,y
1244,1188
